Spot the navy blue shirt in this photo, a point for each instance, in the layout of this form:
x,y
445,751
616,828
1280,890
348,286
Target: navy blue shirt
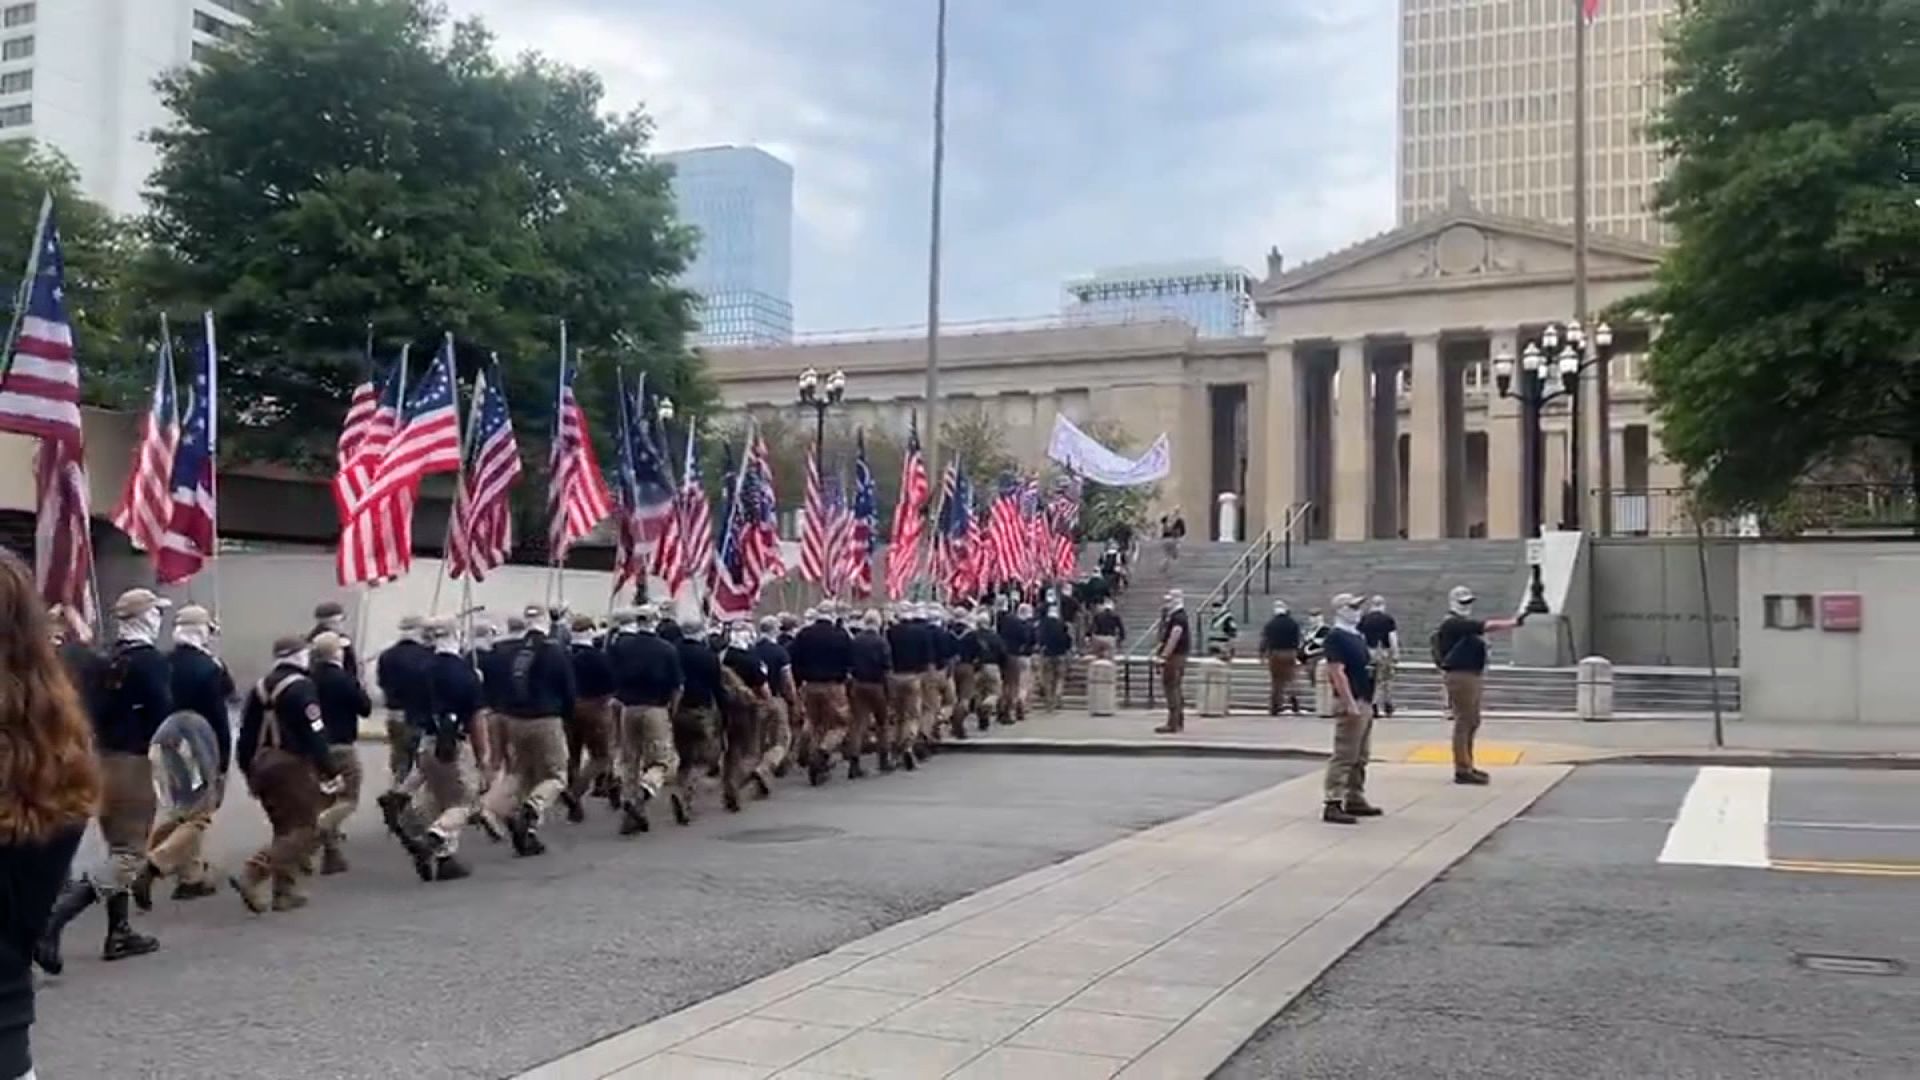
x,y
1348,649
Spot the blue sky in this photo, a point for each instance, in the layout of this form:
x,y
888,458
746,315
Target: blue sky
x,y
1081,133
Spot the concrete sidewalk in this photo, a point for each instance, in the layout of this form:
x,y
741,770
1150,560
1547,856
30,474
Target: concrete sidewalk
x,y
1155,956
1427,739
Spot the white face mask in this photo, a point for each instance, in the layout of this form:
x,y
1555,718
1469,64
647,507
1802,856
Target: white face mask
x,y
143,628
195,637
450,646
1348,617
302,659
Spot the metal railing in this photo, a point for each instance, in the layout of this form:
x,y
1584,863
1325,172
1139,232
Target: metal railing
x,y
1809,509
1256,559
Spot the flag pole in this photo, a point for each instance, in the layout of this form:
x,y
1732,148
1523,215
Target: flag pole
x,y
459,479
932,450
213,444
25,291
556,585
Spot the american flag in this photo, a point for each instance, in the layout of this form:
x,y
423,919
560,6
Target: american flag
x,y
689,536
818,554
646,496
1591,9
1007,535
1063,513
482,532
953,539
371,545
749,551
578,499
909,517
839,534
427,442
142,510
193,513
856,555
40,396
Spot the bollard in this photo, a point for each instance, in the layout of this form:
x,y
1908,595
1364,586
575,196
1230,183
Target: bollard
x,y
1101,680
1229,517
1215,681
1593,689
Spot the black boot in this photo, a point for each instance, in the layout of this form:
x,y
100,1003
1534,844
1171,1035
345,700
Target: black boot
x,y
1336,814
576,813
75,897
885,761
633,818
449,868
392,805
122,941
908,760
142,887
1358,806
1472,777
194,890
855,770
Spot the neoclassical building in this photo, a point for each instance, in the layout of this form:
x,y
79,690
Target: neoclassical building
x,y
1370,398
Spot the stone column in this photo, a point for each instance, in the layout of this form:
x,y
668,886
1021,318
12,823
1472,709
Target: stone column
x,y
1427,449
1282,431
1353,446
1506,479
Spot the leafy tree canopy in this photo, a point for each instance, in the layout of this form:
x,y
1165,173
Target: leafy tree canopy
x,y
96,246
360,163
1790,305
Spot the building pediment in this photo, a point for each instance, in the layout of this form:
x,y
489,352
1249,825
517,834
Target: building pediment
x,y
1457,248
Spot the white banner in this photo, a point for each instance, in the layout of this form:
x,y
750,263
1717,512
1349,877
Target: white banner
x,y
1078,451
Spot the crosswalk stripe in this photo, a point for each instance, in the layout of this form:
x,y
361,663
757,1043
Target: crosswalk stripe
x,y
1723,820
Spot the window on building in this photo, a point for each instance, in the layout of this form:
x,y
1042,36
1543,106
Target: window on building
x,y
16,48
16,116
249,8
15,82
18,14
213,27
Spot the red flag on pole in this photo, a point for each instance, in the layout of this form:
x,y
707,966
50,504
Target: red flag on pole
x,y
1590,8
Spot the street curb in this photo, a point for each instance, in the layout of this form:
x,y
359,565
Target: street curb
x,y
1121,748
1785,759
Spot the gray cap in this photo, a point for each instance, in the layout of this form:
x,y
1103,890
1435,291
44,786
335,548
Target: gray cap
x,y
328,609
439,628
192,615
410,623
288,645
137,602
327,646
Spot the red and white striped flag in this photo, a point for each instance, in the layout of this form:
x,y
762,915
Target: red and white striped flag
x,y
1007,536
142,510
40,396
193,514
689,536
909,517
482,528
1591,9
427,443
817,554
578,499
370,543
856,549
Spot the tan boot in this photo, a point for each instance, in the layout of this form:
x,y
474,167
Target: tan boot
x,y
254,886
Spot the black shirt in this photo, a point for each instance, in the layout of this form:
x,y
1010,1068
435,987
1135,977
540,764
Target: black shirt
x,y
349,660
1055,640
286,698
1107,624
1015,632
1110,563
343,701
992,650
34,874
539,679
774,655
1069,607
911,646
457,694
1167,625
592,673
1460,644
871,657
1348,649
1095,591
492,662
403,672
87,671
202,685
1378,628
1281,634
646,669
746,664
138,698
946,645
701,666
822,653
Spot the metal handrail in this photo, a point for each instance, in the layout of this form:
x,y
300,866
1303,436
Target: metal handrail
x,y
1261,549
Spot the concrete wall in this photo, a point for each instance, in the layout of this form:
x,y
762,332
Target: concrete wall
x,y
1817,675
1646,605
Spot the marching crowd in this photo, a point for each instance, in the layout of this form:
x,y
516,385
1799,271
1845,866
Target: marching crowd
x,y
495,726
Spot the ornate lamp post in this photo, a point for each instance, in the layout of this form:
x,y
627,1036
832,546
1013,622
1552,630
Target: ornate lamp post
x,y
822,393
1548,369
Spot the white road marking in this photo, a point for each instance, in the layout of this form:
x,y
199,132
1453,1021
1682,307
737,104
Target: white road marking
x,y
1723,820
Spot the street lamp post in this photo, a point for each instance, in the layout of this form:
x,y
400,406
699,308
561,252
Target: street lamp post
x,y
821,393
1559,355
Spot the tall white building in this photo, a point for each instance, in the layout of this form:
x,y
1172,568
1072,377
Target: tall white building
x,y
77,75
1217,299
1486,108
741,200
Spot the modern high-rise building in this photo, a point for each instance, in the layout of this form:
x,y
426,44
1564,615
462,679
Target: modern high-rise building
x,y
77,75
1486,109
1217,299
741,200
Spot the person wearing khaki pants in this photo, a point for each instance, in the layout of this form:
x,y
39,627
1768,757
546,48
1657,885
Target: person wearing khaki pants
x,y
1055,639
283,752
343,701
539,691
1176,643
1460,652
1349,672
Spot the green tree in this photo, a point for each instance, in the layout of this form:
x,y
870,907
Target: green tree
x,y
360,163
1790,303
96,246
1103,508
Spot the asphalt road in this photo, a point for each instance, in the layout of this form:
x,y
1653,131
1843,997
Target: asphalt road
x,y
383,976
1562,948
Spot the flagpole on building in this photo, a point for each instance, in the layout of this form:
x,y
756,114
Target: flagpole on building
x,y
932,450
459,483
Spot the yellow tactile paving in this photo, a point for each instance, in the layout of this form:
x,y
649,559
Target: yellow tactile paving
x,y
1442,754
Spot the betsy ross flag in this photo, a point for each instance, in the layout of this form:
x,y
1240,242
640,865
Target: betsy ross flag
x,y
144,505
578,498
193,514
647,496
689,536
482,528
909,517
953,540
856,554
370,543
40,396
